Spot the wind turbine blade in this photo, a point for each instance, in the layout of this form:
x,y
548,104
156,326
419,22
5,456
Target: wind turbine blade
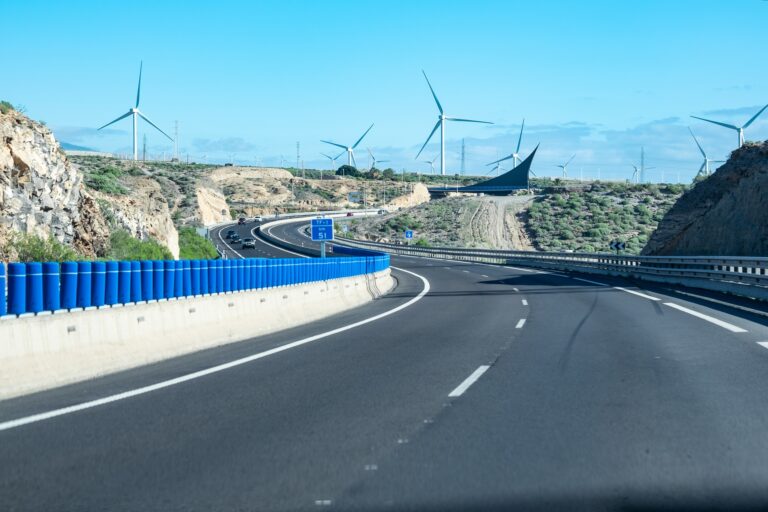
x,y
118,119
703,165
153,124
570,160
467,120
362,136
437,125
697,143
754,117
439,106
327,156
353,159
369,152
337,156
334,144
530,171
138,90
520,138
382,161
501,160
717,122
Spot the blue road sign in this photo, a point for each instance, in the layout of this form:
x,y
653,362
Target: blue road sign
x,y
322,229
408,234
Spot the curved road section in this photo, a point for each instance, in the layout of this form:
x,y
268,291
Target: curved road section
x,y
469,387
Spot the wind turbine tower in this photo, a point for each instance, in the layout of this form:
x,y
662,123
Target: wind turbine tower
x,y
136,113
441,119
704,169
350,149
463,157
564,166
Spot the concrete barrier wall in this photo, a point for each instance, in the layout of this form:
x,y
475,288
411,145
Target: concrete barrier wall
x,y
46,351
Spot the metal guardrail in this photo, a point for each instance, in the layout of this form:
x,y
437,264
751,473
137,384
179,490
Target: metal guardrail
x,y
740,275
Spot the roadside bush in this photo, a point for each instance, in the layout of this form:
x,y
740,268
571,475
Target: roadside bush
x,y
5,107
24,248
195,247
106,179
125,247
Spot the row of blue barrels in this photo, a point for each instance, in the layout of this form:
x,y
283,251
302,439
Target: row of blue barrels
x,y
37,287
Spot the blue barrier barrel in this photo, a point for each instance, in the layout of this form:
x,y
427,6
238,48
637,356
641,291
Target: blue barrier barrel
x,y
241,275
194,267
84,283
187,275
147,280
169,274
178,278
212,277
17,288
219,276
247,274
111,283
204,277
158,280
124,282
68,277
34,287
98,283
225,285
3,300
136,281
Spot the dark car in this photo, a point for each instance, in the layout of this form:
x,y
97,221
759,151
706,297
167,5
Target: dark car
x,y
241,221
350,214
249,243
236,238
231,233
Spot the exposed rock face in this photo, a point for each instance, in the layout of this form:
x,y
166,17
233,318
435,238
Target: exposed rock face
x,y
419,195
727,214
212,206
144,213
40,192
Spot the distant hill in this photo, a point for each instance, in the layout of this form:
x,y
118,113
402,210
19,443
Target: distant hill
x,y
66,146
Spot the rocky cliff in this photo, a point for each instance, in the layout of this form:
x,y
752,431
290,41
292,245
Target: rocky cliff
x,y
725,214
41,193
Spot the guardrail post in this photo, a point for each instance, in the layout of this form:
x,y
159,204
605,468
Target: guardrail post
x,y
98,283
84,284
34,287
136,282
111,286
158,276
17,288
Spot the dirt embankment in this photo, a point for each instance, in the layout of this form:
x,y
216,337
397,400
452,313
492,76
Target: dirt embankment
x,y
723,215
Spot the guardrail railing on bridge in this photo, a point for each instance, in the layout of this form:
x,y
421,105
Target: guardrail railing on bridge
x,y
740,275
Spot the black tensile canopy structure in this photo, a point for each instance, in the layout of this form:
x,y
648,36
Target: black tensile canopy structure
x,y
510,181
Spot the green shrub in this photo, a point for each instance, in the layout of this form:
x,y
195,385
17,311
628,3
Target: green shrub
x,y
195,247
24,248
5,107
106,179
125,247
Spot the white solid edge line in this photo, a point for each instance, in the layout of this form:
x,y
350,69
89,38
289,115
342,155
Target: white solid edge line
x,y
525,302
515,289
724,325
763,344
225,243
520,323
468,381
588,281
633,292
214,369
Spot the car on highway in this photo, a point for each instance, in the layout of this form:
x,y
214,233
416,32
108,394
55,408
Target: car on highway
x,y
249,243
350,214
230,234
382,212
258,219
241,221
236,238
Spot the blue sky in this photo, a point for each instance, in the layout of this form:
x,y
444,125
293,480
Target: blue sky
x,y
246,80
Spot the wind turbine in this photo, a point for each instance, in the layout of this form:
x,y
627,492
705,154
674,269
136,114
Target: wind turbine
x,y
705,165
739,129
374,158
136,113
564,166
442,118
431,163
332,159
350,149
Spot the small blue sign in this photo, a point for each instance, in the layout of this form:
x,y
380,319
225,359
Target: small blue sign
x,y
408,234
322,229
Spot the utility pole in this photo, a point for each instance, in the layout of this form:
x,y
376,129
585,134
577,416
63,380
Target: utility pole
x,y
176,142
144,149
463,157
303,176
298,154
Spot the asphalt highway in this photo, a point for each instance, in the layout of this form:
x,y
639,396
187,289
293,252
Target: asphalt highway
x,y
490,388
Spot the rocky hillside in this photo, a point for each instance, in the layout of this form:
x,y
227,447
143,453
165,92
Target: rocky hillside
x,y
40,193
724,214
